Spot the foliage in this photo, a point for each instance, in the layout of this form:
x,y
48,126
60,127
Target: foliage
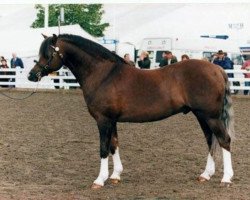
x,y
88,16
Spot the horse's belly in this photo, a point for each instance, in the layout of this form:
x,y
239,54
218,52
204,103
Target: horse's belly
x,y
145,115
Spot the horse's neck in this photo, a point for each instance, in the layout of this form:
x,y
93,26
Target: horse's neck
x,y
89,71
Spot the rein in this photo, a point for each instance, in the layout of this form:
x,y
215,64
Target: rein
x,y
38,74
21,98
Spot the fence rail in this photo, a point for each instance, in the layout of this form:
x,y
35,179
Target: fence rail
x,y
65,79
18,78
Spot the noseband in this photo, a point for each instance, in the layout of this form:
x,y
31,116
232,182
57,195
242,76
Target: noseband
x,y
47,65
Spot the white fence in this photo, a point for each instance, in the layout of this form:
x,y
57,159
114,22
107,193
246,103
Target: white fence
x,y
18,78
65,79
238,77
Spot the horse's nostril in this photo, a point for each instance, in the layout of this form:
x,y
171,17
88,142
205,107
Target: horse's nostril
x,y
32,77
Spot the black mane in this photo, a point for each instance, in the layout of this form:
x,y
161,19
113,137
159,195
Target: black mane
x,y
86,45
45,50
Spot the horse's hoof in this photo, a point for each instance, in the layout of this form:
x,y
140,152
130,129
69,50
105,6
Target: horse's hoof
x,y
225,184
201,179
114,181
96,186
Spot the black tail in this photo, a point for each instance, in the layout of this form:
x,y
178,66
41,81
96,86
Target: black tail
x,y
227,117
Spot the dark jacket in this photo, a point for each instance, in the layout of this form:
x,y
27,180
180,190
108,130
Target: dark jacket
x,y
164,61
17,62
144,64
225,63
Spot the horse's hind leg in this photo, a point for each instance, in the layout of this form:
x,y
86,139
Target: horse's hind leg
x,y
115,177
210,166
218,128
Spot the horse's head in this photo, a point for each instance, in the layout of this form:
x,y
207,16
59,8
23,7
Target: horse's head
x,y
50,59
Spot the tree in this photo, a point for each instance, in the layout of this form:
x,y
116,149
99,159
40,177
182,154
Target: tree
x,y
88,16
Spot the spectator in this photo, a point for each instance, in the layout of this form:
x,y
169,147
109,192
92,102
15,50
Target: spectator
x,y
213,57
144,62
184,57
16,62
127,59
225,63
167,59
246,66
232,63
3,63
4,66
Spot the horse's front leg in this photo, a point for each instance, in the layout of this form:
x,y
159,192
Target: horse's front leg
x,y
105,129
115,177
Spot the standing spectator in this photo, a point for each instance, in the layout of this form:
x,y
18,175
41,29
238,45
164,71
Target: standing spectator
x,y
144,62
213,57
184,57
127,59
167,59
225,63
246,66
16,62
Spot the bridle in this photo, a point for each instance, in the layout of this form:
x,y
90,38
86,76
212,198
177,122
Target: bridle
x,y
45,68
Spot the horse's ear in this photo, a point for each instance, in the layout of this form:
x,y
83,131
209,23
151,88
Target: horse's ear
x,y
45,36
54,39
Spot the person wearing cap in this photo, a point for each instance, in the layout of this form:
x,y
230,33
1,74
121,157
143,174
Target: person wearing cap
x,y
167,59
144,61
225,62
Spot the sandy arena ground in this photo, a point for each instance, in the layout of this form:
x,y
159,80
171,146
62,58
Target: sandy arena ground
x,y
49,149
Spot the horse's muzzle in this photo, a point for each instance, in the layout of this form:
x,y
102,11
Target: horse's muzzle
x,y
34,76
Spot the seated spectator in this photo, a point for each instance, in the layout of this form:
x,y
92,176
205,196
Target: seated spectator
x,y
128,60
167,59
184,57
144,61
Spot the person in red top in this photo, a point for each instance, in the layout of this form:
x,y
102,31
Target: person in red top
x,y
246,66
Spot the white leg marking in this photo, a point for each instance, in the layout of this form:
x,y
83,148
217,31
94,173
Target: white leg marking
x,y
210,168
104,172
228,169
117,165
